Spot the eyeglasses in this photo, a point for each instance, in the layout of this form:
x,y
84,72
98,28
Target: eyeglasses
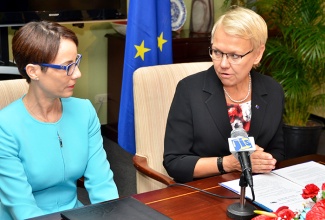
x,y
69,68
231,57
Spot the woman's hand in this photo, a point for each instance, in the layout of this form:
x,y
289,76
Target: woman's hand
x,y
262,162
231,163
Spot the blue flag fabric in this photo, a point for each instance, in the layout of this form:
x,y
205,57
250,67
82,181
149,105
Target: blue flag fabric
x,y
148,43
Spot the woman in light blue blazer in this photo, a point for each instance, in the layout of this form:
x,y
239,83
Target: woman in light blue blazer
x,y
48,139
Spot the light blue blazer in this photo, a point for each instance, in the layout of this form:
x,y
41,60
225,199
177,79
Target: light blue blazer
x,y
41,162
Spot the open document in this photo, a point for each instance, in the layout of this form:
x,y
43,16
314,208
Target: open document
x,y
282,187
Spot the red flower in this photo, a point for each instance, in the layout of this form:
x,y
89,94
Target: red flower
x,y
282,213
323,187
310,191
263,217
318,211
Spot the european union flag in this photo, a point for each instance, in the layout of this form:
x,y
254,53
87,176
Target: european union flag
x,y
148,43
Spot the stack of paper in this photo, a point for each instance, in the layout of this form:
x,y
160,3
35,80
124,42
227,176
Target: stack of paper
x,y
282,187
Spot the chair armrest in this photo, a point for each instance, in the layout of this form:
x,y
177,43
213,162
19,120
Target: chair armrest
x,y
141,164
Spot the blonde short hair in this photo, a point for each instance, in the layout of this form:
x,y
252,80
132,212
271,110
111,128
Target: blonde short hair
x,y
244,23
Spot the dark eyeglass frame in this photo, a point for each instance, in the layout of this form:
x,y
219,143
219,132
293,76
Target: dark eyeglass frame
x,y
227,55
63,67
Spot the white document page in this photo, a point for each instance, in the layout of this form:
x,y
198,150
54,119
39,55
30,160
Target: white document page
x,y
272,190
304,173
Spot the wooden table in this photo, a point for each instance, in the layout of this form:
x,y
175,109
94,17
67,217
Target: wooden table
x,y
179,202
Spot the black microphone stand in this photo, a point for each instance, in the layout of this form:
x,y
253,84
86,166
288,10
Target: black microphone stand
x,y
241,209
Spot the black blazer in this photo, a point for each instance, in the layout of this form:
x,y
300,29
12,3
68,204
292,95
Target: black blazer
x,y
198,124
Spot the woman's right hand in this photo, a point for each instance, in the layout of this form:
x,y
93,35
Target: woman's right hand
x,y
231,163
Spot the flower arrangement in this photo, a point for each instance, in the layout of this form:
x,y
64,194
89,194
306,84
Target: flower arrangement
x,y
314,208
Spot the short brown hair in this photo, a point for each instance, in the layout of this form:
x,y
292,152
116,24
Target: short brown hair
x,y
38,42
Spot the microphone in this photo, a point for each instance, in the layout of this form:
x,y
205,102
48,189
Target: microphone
x,y
242,147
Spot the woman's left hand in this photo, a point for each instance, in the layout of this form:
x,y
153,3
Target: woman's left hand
x,y
262,162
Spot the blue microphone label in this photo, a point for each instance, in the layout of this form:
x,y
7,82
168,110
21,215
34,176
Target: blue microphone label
x,y
241,144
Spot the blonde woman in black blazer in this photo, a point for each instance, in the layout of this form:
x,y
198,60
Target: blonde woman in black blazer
x,y
208,105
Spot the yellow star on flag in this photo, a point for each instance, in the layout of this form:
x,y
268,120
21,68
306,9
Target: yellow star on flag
x,y
161,41
141,50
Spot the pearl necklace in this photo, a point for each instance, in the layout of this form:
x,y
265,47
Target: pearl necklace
x,y
239,101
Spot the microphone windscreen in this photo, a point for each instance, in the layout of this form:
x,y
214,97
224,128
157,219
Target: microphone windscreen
x,y
238,132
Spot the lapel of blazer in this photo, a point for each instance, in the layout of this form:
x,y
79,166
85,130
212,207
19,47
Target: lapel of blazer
x,y
216,103
258,104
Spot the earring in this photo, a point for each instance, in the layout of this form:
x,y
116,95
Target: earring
x,y
36,78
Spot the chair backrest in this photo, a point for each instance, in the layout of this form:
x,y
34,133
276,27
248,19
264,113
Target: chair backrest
x,y
154,89
11,90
